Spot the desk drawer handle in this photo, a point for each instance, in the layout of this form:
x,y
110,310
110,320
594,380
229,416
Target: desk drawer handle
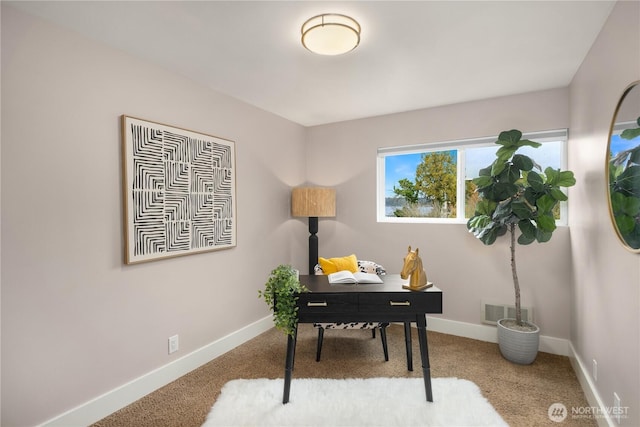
x,y
317,304
394,303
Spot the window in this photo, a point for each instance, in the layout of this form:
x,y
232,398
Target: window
x,y
433,182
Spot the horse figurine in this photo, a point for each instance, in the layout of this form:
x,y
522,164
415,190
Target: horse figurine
x,y
413,267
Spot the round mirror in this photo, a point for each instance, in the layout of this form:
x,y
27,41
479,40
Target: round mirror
x,y
623,168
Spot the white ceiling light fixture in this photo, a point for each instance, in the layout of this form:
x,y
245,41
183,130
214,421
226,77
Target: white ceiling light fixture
x,y
330,34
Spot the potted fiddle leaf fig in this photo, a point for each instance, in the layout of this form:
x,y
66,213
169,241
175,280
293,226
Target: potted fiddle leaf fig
x,y
520,202
281,294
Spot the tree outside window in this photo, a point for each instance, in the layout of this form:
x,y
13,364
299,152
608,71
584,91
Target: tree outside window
x,y
433,182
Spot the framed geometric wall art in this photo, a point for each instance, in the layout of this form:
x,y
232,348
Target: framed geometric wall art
x,y
179,191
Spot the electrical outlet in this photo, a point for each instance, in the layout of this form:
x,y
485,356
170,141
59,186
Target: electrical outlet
x,y
594,370
617,408
173,344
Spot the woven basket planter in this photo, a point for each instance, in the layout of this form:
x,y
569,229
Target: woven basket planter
x,y
516,346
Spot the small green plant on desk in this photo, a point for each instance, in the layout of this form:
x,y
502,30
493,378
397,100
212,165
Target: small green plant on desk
x,y
281,293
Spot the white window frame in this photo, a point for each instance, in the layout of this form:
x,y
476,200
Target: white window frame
x,y
460,146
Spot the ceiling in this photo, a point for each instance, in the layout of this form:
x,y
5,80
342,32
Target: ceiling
x,y
412,55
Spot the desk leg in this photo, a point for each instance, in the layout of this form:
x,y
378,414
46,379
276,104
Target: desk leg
x,y
421,321
288,367
407,340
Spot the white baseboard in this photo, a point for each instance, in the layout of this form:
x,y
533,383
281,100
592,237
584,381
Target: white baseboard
x,y
102,406
489,333
589,388
106,404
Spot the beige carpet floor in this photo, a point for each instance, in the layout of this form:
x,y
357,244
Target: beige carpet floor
x,y
521,394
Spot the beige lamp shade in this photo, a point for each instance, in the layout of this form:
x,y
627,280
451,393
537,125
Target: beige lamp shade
x,y
313,202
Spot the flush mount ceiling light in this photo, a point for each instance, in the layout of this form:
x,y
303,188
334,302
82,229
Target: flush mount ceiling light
x,y
330,34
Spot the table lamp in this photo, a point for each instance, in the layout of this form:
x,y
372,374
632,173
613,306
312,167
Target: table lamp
x,y
313,202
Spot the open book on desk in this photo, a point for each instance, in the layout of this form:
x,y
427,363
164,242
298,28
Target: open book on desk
x,y
346,276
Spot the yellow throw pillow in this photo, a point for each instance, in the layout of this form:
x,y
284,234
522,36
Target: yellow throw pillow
x,y
333,265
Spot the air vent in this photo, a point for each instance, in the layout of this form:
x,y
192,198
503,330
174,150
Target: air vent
x,y
491,312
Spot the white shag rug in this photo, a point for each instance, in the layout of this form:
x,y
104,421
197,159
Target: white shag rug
x,y
352,402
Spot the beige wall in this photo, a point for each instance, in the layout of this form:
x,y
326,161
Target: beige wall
x,y
605,296
344,155
76,322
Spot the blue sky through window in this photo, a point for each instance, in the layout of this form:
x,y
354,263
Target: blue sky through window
x,y
618,144
403,166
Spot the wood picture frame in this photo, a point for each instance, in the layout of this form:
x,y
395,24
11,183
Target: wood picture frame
x,y
179,191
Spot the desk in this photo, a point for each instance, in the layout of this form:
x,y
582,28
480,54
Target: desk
x,y
386,302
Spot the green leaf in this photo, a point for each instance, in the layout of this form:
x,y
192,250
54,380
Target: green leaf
x,y
510,136
478,222
505,152
623,205
527,229
521,210
632,206
553,175
543,236
535,181
630,133
634,155
529,143
614,171
557,194
618,202
526,240
511,174
633,239
566,179
545,204
497,167
483,181
485,230
485,207
485,171
503,191
489,235
546,223
522,162
531,195
625,223
487,192
503,212
629,181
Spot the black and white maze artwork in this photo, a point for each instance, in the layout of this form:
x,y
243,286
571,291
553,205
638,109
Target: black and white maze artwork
x,y
182,193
